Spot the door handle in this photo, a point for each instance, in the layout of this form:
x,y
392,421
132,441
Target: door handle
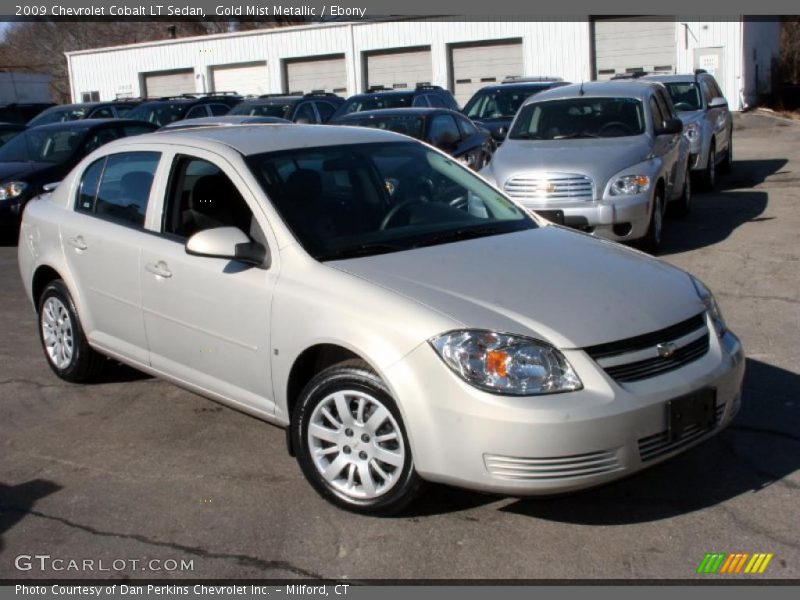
x,y
78,243
158,269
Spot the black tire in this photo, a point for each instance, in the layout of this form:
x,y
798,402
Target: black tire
x,y
709,175
726,166
651,242
84,363
683,205
352,375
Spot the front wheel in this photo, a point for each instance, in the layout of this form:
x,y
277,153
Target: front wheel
x,y
651,242
727,164
351,442
709,175
684,204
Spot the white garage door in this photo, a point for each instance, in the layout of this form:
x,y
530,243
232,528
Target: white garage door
x,y
169,83
400,69
324,74
249,78
480,65
628,45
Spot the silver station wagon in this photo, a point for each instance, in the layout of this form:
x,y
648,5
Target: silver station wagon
x,y
404,320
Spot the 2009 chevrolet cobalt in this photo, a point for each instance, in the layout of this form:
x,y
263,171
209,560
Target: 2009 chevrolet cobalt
x,y
403,319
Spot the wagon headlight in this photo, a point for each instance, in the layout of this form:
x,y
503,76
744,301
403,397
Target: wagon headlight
x,y
630,184
506,364
711,307
691,131
12,189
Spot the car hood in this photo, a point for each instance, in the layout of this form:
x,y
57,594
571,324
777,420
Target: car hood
x,y
551,283
600,159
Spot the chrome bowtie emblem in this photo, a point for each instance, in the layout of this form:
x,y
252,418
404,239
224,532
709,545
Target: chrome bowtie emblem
x,y
549,187
666,349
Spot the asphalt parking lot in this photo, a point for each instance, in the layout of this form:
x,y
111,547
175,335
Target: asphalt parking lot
x,y
137,469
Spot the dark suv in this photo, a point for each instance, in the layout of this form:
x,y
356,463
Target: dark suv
x,y
493,107
113,109
164,111
422,96
22,112
308,108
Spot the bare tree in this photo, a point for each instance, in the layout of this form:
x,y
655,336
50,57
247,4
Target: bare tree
x,y
789,61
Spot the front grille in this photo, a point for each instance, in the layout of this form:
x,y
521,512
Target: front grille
x,y
638,358
559,467
659,444
566,186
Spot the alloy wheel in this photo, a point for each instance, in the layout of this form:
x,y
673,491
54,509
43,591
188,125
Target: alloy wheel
x,y
57,333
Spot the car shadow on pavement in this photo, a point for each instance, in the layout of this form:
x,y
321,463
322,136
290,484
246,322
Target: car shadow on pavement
x,y
760,449
115,372
713,218
749,173
16,501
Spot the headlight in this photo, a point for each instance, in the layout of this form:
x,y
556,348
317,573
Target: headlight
x,y
12,189
691,131
711,307
630,184
506,364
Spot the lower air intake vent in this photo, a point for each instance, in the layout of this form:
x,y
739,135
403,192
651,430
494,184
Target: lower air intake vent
x,y
560,467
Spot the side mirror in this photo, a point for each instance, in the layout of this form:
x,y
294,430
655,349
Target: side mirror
x,y
500,133
227,242
670,127
718,102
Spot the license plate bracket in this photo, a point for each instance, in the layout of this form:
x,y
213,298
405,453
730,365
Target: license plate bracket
x,y
697,408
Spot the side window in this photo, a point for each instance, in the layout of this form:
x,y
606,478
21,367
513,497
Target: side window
x,y
658,117
436,101
123,110
102,113
117,187
664,105
467,127
218,110
305,113
444,131
715,88
197,111
201,197
420,101
99,138
708,92
325,110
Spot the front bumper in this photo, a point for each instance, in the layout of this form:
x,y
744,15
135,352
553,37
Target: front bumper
x,y
552,444
619,219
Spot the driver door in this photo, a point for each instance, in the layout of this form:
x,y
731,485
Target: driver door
x,y
207,319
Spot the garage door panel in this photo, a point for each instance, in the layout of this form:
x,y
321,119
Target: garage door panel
x,y
630,44
169,83
245,78
477,66
399,70
328,74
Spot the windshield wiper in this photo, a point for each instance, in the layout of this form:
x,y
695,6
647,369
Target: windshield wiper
x,y
458,235
362,250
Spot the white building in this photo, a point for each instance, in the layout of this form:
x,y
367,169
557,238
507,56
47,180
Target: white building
x,y
460,54
24,87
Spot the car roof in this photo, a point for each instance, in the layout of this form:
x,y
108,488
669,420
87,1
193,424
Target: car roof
x,y
224,120
250,139
406,92
274,99
85,124
635,88
420,111
682,78
524,85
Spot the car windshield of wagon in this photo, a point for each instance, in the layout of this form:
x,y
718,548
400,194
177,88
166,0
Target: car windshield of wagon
x,y
45,145
363,103
685,96
579,118
498,103
364,199
410,125
261,110
162,113
59,116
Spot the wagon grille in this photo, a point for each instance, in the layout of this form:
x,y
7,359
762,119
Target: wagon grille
x,y
659,444
569,186
655,353
561,467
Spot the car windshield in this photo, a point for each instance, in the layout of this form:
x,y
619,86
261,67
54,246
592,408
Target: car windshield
x,y
48,145
160,114
497,103
362,103
59,116
410,125
579,118
364,199
261,110
685,95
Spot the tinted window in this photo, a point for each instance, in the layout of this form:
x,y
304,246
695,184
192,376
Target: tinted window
x,y
261,110
58,115
100,137
197,112
410,125
202,197
102,113
6,135
162,113
467,127
123,110
50,146
579,118
420,101
362,103
219,109
443,131
666,104
494,103
325,110
685,96
658,116
124,187
436,101
305,113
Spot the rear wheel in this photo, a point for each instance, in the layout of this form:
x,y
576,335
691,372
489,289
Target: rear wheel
x,y
351,442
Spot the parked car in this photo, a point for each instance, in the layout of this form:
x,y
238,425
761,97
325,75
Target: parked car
x,y
707,122
188,106
8,131
302,278
446,129
45,154
605,157
378,98
308,108
494,106
116,109
22,112
224,120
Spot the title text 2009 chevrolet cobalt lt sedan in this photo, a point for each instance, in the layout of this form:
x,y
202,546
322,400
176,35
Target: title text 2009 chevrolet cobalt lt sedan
x,y
403,319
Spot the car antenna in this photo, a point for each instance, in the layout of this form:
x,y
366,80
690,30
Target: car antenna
x,y
580,91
